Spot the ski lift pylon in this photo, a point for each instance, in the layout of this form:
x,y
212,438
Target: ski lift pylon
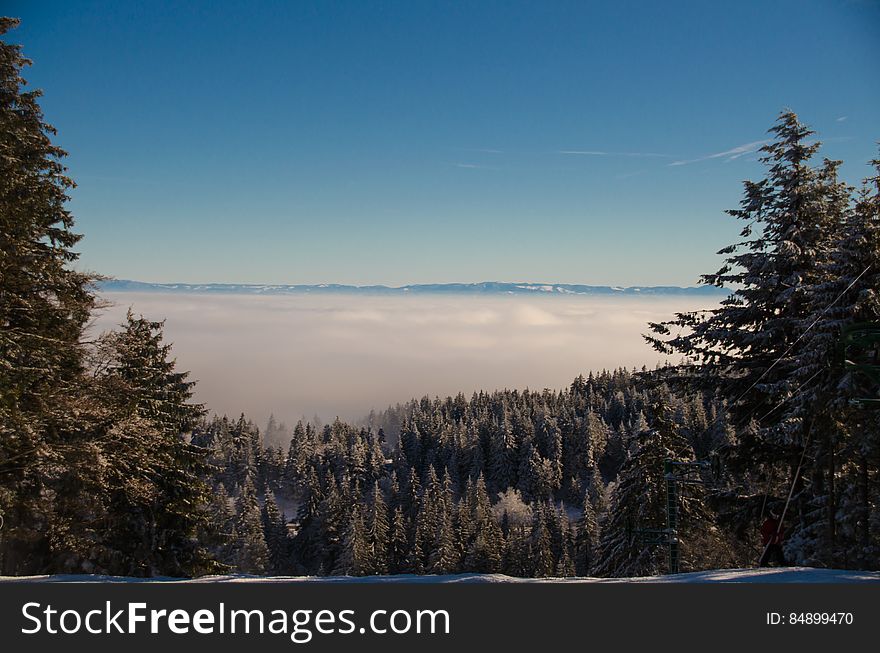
x,y
675,473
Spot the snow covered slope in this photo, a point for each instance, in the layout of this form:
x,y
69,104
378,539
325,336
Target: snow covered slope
x,y
775,575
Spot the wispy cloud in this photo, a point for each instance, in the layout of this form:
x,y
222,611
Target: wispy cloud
x,y
494,151
831,139
481,150
627,175
842,118
470,166
603,153
727,155
124,180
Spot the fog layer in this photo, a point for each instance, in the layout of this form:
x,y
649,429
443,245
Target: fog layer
x,y
342,355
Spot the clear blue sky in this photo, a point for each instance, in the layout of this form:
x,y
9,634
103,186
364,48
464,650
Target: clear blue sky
x,y
406,142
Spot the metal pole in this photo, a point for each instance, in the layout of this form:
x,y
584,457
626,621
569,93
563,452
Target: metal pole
x,y
671,516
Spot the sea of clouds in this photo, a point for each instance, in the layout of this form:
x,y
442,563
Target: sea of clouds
x,y
341,355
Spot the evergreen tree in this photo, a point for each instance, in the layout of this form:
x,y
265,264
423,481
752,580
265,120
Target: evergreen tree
x,y
354,558
745,344
158,524
415,559
541,553
751,348
295,462
378,532
485,542
444,556
398,547
835,524
252,554
501,456
158,391
221,534
49,420
586,539
275,535
565,566
307,545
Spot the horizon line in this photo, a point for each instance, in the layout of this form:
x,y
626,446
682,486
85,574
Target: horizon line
x,y
507,287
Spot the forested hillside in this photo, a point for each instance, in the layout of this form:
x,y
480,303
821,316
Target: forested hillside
x,y
108,466
512,482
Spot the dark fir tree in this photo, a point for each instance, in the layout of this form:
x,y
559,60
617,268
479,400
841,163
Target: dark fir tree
x,y
751,348
378,532
48,420
836,527
275,535
251,552
150,453
354,557
586,539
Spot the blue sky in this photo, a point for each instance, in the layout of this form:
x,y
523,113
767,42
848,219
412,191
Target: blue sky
x,y
408,142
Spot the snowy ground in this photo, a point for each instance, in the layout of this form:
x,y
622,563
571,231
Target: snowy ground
x,y
780,575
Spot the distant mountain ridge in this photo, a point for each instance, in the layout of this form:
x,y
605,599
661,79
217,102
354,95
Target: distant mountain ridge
x,y
482,288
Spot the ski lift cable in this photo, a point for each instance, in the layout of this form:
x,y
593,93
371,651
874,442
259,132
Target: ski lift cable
x,y
800,337
800,391
794,481
762,418
767,493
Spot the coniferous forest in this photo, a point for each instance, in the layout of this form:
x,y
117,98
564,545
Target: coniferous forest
x,y
108,466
